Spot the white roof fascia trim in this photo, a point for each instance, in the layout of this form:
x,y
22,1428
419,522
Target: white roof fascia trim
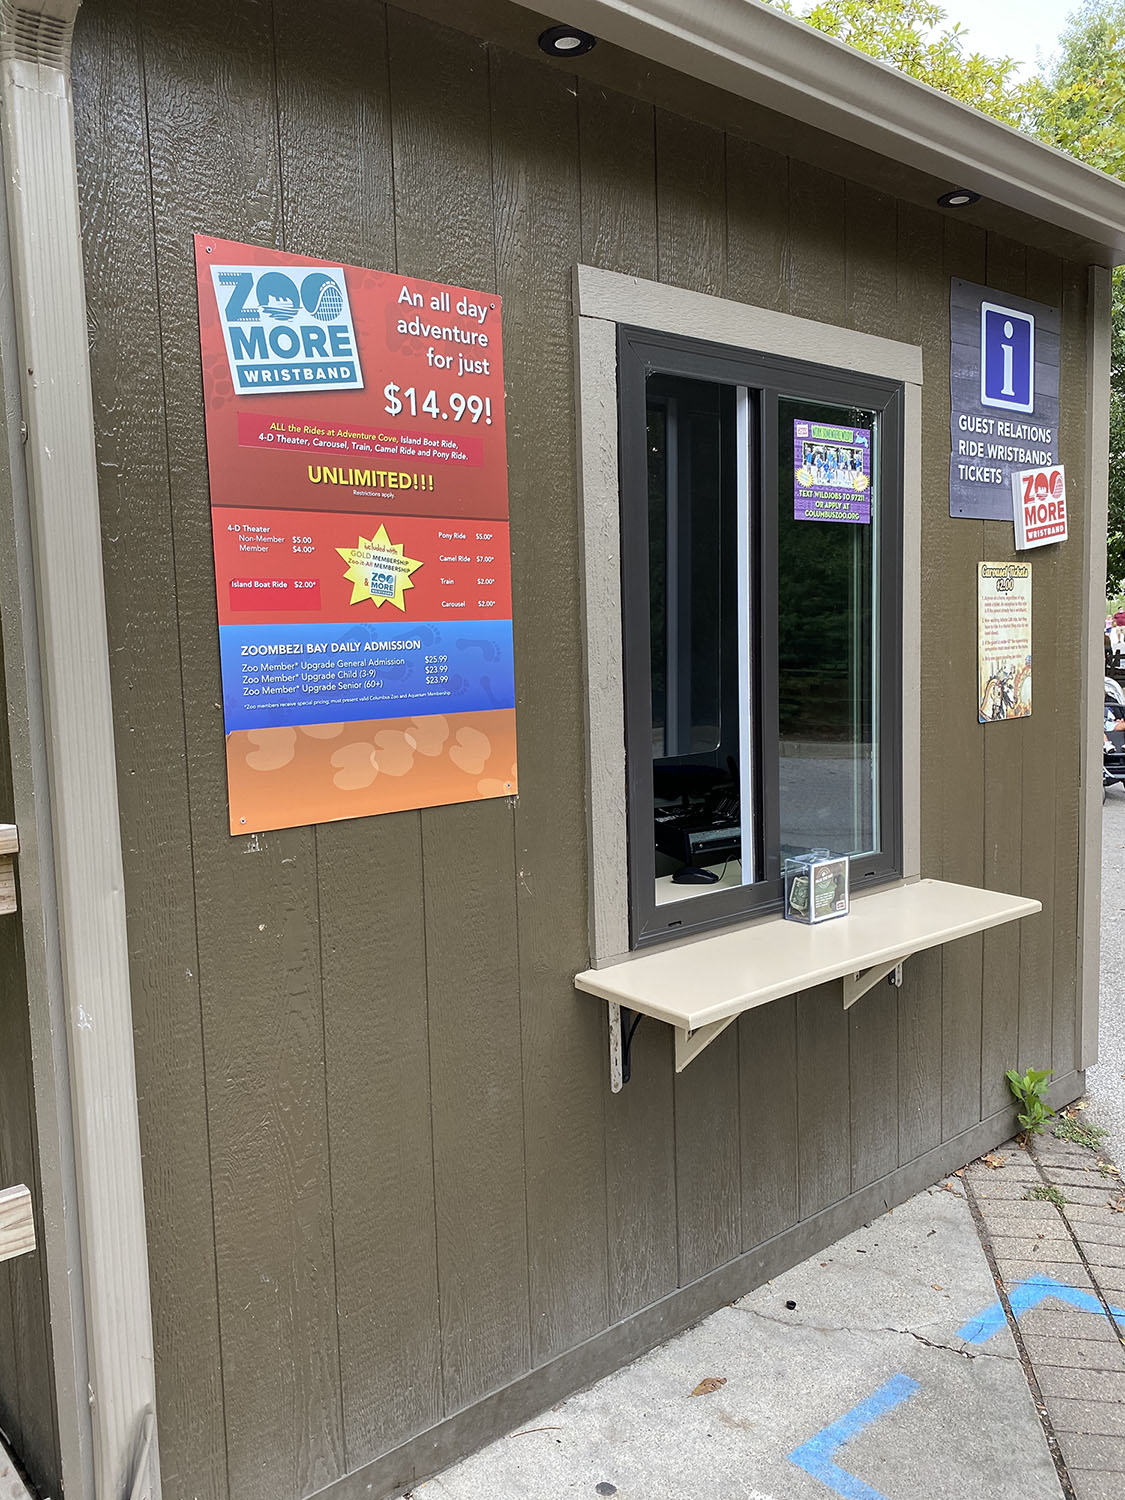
x,y
761,54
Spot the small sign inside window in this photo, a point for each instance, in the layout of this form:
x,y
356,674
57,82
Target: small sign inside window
x,y
831,473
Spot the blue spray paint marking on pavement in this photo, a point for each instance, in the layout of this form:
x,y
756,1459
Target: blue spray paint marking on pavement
x,y
1023,1297
816,1456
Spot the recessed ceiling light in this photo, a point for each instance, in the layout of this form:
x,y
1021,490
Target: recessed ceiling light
x,y
958,198
566,41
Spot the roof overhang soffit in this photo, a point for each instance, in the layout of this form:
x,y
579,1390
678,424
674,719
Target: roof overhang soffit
x,y
758,53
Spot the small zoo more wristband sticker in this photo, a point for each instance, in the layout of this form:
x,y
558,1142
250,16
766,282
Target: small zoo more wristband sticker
x,y
1039,506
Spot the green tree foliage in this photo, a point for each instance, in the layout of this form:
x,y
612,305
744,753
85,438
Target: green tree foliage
x,y
911,36
1077,103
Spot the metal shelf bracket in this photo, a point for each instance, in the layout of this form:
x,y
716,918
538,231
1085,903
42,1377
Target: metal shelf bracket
x,y
689,1044
616,1068
857,985
622,1024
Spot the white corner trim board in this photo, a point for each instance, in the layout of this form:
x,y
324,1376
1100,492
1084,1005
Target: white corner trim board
x,y
72,657
1092,691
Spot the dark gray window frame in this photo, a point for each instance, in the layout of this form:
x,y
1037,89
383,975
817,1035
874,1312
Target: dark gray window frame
x,y
641,351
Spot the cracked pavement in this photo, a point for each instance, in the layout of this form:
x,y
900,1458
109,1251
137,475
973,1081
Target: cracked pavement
x,y
795,1356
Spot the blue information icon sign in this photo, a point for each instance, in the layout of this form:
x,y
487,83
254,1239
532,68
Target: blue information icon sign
x,y
1007,358
1003,395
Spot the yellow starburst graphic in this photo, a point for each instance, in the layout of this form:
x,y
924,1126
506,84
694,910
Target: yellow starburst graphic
x,y
378,570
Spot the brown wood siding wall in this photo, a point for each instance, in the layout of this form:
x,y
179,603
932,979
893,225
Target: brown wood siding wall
x,y
371,1203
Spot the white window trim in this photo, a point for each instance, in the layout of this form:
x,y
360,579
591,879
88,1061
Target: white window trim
x,y
602,300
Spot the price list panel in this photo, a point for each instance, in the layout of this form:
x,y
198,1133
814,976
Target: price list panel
x,y
359,498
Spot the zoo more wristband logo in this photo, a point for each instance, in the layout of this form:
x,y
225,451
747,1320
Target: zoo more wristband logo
x,y
287,329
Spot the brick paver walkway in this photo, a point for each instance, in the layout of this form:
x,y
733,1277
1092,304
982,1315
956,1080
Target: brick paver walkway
x,y
1072,1347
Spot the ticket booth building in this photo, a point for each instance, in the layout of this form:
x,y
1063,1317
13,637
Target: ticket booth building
x,y
358,1138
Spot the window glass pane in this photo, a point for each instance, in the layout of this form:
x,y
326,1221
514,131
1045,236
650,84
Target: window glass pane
x,y
761,579
827,710
658,563
692,524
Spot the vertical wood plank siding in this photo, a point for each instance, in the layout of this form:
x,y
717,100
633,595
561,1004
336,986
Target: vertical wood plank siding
x,y
215,165
617,165
373,1204
975,1006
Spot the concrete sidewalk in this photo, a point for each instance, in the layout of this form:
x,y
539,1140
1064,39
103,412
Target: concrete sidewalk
x,y
12,1486
961,1345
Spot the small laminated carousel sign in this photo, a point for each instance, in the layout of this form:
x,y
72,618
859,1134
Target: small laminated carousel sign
x,y
1003,641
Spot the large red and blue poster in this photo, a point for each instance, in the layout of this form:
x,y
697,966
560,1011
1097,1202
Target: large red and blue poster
x,y
359,505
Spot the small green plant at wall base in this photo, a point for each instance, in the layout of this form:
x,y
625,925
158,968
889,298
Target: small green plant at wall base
x,y
1090,1136
1030,1090
1048,1193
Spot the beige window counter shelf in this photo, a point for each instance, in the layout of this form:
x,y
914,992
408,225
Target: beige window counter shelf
x,y
700,986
